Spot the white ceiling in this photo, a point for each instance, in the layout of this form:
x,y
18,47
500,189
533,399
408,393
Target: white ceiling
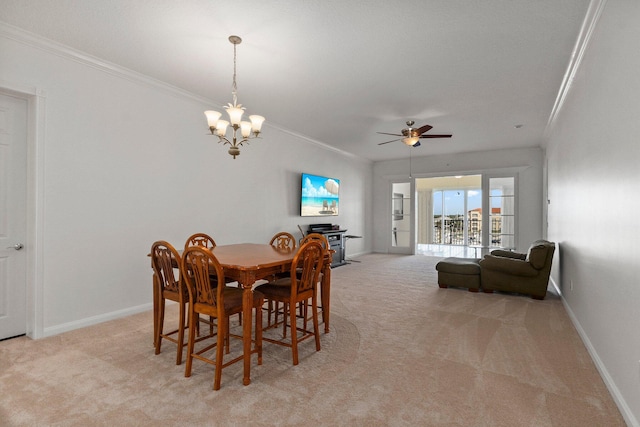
x,y
338,71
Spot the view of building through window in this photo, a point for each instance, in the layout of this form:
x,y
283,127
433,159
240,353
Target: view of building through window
x,y
457,217
450,211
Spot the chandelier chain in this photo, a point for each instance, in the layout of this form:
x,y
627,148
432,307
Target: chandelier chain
x,y
234,87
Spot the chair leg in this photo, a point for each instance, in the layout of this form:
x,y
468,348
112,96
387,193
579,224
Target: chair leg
x,y
191,342
269,310
276,311
223,324
304,312
316,328
158,338
294,334
285,310
180,334
156,305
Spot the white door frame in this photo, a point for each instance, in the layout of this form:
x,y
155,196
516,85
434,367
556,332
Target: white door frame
x,y
35,202
408,250
486,209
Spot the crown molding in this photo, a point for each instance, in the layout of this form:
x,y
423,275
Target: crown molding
x,y
33,40
586,32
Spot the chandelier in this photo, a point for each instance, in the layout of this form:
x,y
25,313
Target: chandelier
x,y
248,130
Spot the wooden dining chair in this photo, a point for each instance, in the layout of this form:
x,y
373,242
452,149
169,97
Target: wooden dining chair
x,y
285,241
200,239
205,241
296,288
198,263
325,245
165,261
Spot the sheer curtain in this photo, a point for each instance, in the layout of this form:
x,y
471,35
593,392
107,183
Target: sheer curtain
x,y
425,217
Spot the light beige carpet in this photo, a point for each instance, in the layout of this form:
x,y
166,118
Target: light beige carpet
x,y
401,351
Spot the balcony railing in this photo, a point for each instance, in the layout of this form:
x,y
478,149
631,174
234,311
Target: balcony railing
x,y
451,231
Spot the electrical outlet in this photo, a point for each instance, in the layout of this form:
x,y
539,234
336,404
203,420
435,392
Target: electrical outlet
x,y
571,285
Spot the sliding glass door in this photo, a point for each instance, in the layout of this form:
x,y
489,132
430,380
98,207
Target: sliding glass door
x,y
457,217
502,197
477,211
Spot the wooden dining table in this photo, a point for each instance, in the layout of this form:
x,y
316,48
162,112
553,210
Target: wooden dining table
x,y
250,262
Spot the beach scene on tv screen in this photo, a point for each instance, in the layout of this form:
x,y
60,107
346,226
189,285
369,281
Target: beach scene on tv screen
x,y
320,196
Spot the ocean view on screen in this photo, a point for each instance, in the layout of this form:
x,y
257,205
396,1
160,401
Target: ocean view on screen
x,y
320,196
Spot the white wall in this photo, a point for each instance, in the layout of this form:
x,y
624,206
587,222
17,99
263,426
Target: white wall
x,y
593,158
126,161
526,162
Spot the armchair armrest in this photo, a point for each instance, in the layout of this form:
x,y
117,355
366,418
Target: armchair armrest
x,y
508,254
512,266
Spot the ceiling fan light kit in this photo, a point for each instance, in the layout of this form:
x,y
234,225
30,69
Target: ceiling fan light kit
x,y
411,141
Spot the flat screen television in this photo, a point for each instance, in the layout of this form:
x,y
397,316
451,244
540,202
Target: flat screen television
x,y
320,196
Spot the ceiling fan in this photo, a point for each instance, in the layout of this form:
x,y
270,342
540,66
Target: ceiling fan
x,y
411,136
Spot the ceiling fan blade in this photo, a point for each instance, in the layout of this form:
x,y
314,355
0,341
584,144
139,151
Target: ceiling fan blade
x,y
422,129
392,134
393,140
435,136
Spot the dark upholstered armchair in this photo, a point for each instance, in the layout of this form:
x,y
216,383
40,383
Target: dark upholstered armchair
x,y
515,272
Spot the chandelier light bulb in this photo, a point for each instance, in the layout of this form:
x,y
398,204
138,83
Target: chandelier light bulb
x,y
212,118
221,130
256,123
245,129
235,114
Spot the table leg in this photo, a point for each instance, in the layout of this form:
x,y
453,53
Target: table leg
x,y
325,285
247,308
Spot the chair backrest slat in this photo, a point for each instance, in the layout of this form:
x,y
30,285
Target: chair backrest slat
x,y
200,239
165,260
283,240
308,262
316,236
198,265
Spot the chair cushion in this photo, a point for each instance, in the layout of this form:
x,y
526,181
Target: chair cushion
x,y
467,266
510,266
537,255
284,281
275,289
233,298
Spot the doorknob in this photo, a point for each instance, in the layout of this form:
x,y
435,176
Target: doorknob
x,y
17,246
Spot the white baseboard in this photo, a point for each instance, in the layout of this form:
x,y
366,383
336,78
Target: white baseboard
x,y
555,285
628,416
357,254
94,320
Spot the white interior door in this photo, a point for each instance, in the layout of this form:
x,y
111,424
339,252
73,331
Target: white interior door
x,y
13,176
